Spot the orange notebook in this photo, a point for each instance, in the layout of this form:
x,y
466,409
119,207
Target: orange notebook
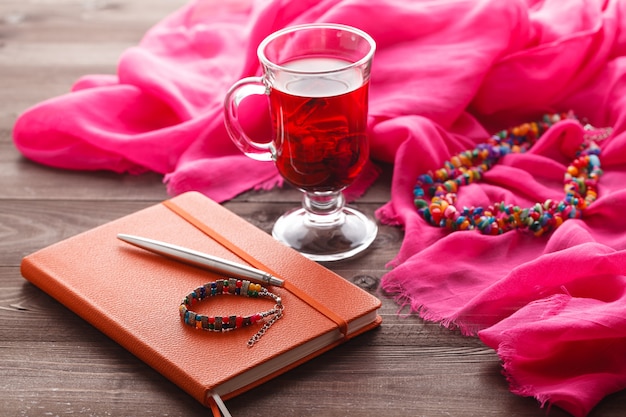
x,y
133,296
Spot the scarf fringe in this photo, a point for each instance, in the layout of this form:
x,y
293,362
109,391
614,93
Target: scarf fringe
x,y
404,301
509,369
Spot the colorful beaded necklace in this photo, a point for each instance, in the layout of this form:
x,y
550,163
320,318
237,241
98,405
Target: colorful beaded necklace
x,y
230,286
435,192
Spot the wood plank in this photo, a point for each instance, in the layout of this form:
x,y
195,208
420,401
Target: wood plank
x,y
30,225
45,46
27,180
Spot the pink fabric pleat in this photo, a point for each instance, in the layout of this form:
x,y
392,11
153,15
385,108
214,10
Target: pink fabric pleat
x,y
446,75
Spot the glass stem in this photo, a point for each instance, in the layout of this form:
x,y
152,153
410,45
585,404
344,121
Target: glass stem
x,y
324,208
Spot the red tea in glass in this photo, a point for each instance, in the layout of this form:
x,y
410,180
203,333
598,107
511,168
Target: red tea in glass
x,y
316,80
320,126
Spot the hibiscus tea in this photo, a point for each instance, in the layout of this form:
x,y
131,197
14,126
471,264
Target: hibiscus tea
x,y
320,124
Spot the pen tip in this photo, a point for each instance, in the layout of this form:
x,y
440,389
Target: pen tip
x,y
126,238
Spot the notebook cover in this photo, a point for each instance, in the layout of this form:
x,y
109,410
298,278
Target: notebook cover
x,y
133,296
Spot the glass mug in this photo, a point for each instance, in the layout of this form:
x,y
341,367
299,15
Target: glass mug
x,y
316,80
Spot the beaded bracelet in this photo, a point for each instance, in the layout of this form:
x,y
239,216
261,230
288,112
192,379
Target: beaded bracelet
x,y
435,191
230,286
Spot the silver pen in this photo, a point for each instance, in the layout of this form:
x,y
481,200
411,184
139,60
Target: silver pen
x,y
202,260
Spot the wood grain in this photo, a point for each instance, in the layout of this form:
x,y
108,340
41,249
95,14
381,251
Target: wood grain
x,y
53,363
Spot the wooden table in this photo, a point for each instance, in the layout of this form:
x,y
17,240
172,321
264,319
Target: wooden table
x,y
52,363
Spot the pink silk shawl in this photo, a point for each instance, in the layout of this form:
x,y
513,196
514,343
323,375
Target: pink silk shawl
x,y
447,74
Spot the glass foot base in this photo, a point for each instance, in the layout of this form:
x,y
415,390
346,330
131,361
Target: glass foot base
x,y
321,241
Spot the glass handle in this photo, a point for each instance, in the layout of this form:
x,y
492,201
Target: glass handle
x,y
244,88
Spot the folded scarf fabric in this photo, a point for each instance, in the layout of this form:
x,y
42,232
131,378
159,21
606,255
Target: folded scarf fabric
x,y
446,74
